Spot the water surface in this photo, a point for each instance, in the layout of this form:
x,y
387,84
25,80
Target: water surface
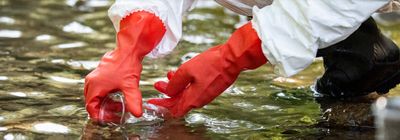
x,y
48,46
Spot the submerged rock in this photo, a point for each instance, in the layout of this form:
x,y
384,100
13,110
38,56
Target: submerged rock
x,y
350,112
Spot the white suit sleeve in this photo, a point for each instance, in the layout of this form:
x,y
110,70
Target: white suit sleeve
x,y
169,11
293,30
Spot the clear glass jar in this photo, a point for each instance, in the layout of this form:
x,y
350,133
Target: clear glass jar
x,y
115,104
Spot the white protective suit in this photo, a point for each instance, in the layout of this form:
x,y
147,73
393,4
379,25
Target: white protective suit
x,y
291,30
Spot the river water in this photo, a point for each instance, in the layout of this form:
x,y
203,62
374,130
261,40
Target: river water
x,y
48,46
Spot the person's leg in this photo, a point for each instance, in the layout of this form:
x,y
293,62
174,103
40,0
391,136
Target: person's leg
x,y
365,62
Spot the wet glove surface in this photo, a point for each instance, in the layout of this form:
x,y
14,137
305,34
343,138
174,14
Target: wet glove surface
x,y
119,70
201,79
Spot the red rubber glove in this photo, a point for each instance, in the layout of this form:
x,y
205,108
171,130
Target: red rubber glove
x,y
201,79
119,70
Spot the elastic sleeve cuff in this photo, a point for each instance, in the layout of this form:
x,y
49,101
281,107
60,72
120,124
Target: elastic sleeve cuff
x,y
169,11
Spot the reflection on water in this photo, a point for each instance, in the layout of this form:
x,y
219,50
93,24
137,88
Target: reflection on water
x,y
49,127
70,45
6,20
10,33
76,27
48,46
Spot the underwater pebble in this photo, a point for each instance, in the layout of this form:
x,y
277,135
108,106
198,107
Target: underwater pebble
x,y
11,107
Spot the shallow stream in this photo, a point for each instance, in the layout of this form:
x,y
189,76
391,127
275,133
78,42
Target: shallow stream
x,y
48,46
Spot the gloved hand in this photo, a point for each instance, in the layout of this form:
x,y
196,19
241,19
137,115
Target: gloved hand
x,y
119,70
201,79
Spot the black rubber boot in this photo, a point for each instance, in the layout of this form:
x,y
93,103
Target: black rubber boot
x,y
365,62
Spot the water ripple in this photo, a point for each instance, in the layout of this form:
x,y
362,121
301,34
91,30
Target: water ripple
x,y
222,126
